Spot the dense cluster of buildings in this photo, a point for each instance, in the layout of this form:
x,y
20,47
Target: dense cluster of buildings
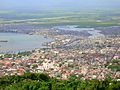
x,y
86,58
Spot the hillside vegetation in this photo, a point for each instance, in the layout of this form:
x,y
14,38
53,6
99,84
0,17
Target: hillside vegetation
x,y
32,81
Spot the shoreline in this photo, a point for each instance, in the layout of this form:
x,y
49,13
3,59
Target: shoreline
x,y
56,34
31,39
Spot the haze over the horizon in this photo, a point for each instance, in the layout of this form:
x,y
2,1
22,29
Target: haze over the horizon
x,y
58,4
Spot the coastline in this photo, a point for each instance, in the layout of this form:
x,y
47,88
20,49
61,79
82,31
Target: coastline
x,y
17,42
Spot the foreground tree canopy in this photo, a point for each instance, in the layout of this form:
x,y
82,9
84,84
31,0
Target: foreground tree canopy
x,y
32,81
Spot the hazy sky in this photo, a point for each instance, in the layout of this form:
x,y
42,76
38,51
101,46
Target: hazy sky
x,y
47,4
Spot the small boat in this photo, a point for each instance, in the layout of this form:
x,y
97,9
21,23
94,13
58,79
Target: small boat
x,y
30,33
45,36
3,41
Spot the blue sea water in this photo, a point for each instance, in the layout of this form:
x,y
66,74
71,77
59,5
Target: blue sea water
x,y
21,42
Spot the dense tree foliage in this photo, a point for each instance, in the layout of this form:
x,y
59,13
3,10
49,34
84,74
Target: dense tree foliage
x,y
31,81
26,53
115,65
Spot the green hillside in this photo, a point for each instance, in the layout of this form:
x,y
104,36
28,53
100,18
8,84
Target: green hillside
x,y
31,81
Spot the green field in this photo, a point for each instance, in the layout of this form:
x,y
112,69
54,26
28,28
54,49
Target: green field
x,y
88,18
